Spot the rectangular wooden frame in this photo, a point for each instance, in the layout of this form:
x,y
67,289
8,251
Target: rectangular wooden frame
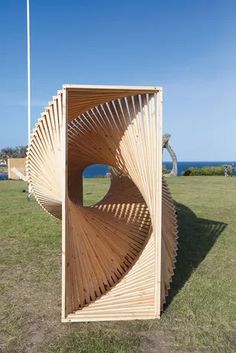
x,y
110,90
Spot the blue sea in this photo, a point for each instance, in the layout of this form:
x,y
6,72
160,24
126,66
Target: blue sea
x,y
101,170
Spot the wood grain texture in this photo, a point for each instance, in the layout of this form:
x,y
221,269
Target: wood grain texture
x,y
118,255
14,164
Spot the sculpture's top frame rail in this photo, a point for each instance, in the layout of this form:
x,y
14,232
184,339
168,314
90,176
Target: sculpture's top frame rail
x,y
111,87
81,98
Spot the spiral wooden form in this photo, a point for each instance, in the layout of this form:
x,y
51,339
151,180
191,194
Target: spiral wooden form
x,y
118,256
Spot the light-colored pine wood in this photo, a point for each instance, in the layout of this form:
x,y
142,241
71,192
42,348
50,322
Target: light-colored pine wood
x,y
16,167
118,256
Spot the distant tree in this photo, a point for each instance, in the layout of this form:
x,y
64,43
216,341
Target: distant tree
x,y
13,152
165,144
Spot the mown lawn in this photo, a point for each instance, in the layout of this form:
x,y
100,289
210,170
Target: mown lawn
x,y
199,315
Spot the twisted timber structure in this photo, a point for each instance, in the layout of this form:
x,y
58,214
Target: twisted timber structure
x,y
118,256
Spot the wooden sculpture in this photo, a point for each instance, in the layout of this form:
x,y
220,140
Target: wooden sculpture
x,y
118,256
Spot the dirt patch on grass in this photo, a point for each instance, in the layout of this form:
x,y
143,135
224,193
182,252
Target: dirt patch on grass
x,y
155,342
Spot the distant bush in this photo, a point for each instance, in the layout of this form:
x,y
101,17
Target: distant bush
x,y
13,152
211,171
97,176
165,170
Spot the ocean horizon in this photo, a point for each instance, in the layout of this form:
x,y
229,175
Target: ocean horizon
x,y
96,170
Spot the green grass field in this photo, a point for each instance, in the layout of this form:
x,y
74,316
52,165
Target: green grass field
x,y
199,315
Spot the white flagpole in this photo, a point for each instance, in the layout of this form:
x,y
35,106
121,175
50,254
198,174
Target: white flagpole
x,y
28,77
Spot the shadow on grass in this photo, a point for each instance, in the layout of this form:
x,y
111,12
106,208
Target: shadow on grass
x,y
196,238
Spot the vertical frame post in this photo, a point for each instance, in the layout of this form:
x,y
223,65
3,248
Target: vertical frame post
x,y
158,239
64,200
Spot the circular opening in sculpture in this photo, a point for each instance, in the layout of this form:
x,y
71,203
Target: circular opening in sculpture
x,y
96,183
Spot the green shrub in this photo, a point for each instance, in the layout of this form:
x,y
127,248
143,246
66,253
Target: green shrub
x,y
166,171
210,171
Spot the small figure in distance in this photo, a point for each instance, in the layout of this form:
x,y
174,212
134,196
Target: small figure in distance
x,y
226,171
231,169
234,171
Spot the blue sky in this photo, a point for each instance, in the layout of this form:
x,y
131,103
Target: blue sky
x,y
188,47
